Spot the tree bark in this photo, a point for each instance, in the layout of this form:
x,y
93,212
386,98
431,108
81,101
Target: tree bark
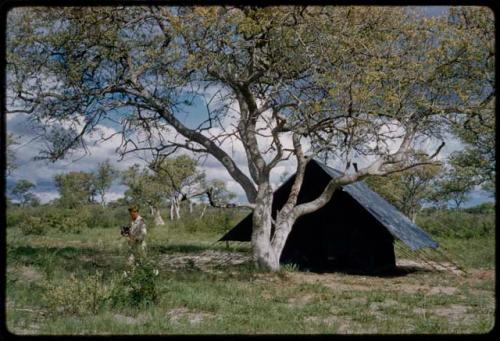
x,y
172,204
203,211
155,212
263,252
177,209
282,230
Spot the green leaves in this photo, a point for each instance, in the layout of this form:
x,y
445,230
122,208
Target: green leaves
x,y
75,188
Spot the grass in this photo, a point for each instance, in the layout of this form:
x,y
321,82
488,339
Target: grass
x,y
236,299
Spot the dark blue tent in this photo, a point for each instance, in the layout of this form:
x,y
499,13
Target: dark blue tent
x,y
355,230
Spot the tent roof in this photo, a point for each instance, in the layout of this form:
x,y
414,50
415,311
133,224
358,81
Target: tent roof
x,y
396,222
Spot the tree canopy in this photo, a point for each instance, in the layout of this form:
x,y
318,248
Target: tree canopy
x,y
22,192
287,82
75,188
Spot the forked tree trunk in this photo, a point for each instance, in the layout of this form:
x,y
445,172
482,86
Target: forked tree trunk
x,y
263,252
155,212
175,211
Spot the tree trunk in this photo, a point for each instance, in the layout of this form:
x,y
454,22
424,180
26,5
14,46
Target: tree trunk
x,y
158,220
263,253
172,210
284,223
203,211
177,209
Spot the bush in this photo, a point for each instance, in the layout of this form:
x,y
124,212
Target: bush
x,y
484,208
139,286
72,224
69,220
77,296
14,216
105,217
32,226
457,224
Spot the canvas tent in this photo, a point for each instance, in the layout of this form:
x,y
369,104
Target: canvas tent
x,y
354,231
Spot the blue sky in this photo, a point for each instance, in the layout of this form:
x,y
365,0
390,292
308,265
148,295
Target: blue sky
x,y
41,172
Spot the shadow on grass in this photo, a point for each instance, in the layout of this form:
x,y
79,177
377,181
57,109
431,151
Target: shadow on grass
x,y
182,248
196,248
68,258
399,271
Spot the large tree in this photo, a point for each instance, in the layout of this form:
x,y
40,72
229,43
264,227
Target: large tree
x,y
455,184
164,180
22,192
180,178
409,190
475,127
144,189
353,83
75,188
103,179
11,161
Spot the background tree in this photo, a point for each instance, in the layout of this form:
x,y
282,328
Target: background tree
x,y
475,127
103,179
354,83
145,189
75,188
408,190
22,192
217,195
455,185
11,155
181,180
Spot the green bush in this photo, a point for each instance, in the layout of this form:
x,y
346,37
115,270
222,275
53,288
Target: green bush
x,y
32,226
14,216
138,286
79,296
69,220
96,216
484,208
457,224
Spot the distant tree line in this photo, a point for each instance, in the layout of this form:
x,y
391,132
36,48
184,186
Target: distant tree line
x,y
162,182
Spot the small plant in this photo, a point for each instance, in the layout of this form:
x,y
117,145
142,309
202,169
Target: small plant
x,y
77,296
138,286
291,267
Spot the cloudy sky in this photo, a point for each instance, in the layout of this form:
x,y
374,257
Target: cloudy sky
x,y
42,172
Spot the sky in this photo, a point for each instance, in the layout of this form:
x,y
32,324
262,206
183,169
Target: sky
x,y
41,173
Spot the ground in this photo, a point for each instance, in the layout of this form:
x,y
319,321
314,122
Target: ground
x,y
204,288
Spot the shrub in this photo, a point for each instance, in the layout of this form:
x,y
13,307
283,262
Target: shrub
x,y
32,226
105,217
14,216
139,286
73,224
77,296
457,224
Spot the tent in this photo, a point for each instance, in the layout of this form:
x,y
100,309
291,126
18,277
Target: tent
x,y
355,231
